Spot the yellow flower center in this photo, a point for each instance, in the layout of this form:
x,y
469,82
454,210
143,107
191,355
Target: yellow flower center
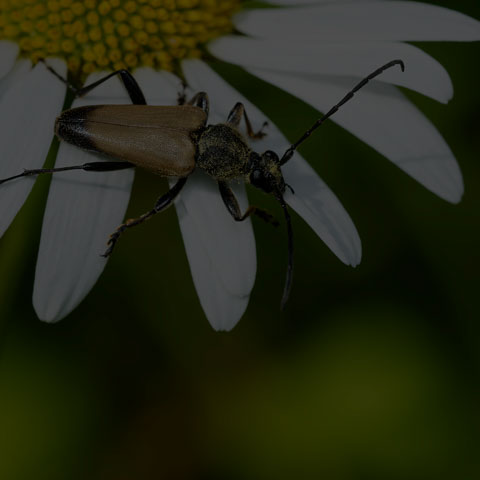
x,y
113,34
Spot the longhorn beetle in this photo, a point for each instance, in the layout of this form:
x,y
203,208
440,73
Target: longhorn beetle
x,y
172,141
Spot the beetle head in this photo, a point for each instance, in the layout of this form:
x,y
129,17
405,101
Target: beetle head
x,y
264,172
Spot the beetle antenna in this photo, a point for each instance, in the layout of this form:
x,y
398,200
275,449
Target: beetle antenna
x,y
289,278
289,152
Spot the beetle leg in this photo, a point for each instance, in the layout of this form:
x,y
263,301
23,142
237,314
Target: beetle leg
x,y
200,100
133,89
182,95
62,79
89,167
232,206
161,204
235,116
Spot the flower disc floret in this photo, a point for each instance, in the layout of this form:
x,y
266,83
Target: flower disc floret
x,y
94,35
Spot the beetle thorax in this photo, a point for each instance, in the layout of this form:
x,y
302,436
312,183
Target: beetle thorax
x,y
222,152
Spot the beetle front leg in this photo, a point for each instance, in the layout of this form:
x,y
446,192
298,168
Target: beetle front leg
x,y
233,207
161,204
235,116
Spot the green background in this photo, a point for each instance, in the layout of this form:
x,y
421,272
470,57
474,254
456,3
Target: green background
x,y
369,373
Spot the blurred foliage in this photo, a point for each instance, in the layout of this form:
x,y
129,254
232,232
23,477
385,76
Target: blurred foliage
x,y
369,373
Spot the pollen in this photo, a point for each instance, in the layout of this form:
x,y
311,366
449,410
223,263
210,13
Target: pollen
x,y
113,34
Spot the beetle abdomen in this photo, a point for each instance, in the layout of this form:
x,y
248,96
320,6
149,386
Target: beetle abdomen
x,y
158,139
222,152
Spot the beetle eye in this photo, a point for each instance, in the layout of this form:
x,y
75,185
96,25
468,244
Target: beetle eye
x,y
262,180
271,155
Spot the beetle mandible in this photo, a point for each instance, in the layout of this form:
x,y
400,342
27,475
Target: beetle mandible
x,y
172,141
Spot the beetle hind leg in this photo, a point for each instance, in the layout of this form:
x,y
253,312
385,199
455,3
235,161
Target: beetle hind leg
x,y
161,204
233,207
134,91
69,85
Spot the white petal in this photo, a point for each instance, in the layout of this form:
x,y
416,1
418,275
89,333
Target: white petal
x,y
221,252
8,55
83,209
19,70
27,114
222,308
360,21
382,117
317,208
423,73
320,208
231,244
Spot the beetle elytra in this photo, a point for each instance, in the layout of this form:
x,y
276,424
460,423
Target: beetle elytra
x,y
172,141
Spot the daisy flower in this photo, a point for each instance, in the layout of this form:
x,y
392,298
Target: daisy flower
x,y
316,51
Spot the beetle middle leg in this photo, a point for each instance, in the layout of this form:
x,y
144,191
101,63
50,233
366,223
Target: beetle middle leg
x,y
182,94
161,204
200,100
235,116
233,207
88,167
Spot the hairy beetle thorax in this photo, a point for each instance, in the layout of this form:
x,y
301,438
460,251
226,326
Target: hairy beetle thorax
x,y
222,152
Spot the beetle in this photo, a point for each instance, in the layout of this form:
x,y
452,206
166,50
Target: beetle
x,y
172,141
